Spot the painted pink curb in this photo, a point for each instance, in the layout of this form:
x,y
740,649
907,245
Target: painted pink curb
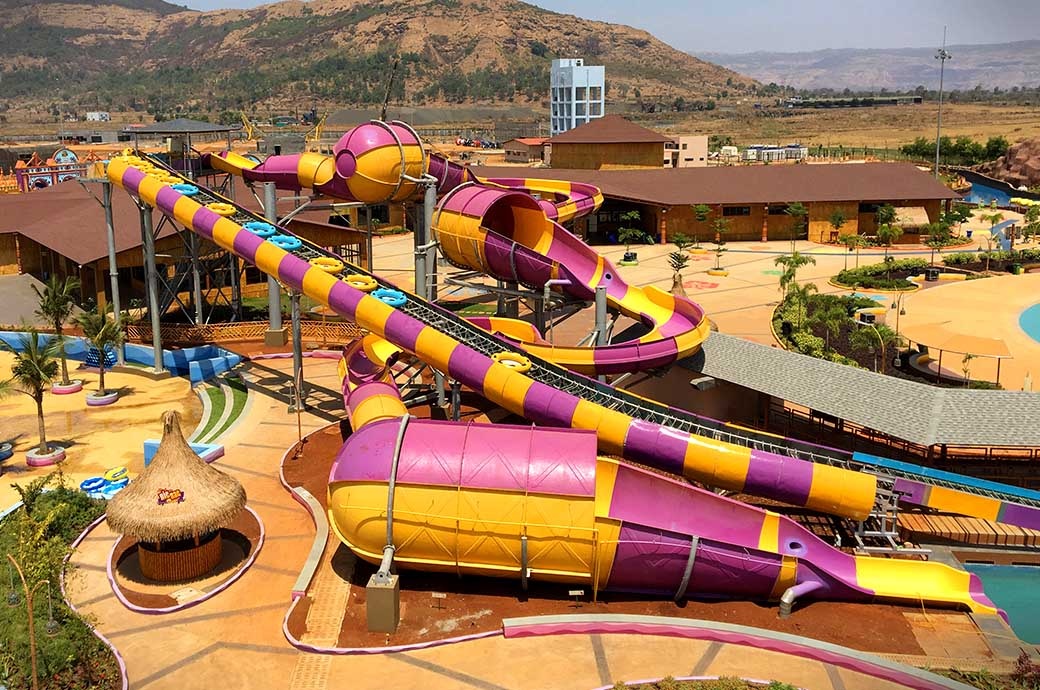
x,y
61,584
52,458
73,387
194,602
783,643
649,681
101,400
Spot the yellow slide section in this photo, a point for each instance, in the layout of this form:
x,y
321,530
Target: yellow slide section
x,y
892,578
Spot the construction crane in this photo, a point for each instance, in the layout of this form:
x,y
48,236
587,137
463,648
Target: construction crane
x,y
252,131
313,137
389,87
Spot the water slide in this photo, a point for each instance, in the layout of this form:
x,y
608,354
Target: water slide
x,y
645,520
504,501
381,162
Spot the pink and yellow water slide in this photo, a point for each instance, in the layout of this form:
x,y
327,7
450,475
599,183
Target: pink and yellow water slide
x,y
488,498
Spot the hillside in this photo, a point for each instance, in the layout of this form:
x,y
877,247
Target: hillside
x,y
1003,65
122,53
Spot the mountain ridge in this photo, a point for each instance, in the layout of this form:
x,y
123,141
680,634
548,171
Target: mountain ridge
x,y
1003,65
329,50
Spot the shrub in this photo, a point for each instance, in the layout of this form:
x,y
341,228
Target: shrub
x,y
874,276
807,343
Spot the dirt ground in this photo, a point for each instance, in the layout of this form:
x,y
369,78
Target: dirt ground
x,y
477,604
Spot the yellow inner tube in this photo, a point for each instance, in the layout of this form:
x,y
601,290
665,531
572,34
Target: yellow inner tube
x,y
361,282
221,208
115,474
512,360
327,264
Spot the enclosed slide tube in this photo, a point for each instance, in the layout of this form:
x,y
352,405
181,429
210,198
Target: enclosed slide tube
x,y
539,503
497,227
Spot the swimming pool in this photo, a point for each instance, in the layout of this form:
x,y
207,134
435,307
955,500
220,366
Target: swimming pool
x,y
983,195
1016,589
1029,321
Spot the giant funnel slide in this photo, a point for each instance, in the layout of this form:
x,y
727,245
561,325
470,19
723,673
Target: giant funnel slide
x,y
505,500
476,497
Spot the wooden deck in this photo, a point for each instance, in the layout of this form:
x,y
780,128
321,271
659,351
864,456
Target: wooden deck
x,y
918,527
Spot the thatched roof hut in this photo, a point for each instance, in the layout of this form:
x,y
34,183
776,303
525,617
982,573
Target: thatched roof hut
x,y
178,496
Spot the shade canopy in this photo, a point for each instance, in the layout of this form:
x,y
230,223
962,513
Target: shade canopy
x,y
940,337
177,496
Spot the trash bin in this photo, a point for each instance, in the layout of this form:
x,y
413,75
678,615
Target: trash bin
x,y
931,274
1016,269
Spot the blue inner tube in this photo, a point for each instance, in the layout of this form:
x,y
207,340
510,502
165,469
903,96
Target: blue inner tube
x,y
264,230
285,242
92,484
185,189
395,298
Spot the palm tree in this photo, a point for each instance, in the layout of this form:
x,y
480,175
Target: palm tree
x,y
35,366
56,304
102,333
791,264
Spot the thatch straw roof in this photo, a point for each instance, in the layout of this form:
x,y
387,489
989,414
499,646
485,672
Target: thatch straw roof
x,y
177,496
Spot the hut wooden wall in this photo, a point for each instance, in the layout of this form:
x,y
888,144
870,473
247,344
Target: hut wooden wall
x,y
607,156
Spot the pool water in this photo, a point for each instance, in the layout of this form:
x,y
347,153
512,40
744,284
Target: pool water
x,y
1016,589
984,194
1029,321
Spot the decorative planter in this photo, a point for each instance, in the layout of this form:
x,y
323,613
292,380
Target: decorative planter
x,y
718,272
95,400
75,386
6,451
33,458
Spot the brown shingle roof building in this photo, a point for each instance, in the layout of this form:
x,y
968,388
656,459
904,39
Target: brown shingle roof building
x,y
753,198
608,142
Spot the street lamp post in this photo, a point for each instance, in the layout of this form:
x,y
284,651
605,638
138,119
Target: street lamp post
x,y
880,340
897,306
942,55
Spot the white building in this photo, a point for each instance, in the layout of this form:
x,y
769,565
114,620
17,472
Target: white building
x,y
575,94
98,116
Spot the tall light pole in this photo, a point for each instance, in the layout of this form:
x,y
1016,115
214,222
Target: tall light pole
x,y
942,55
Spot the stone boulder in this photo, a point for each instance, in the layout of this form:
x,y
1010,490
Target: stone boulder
x,y
1020,166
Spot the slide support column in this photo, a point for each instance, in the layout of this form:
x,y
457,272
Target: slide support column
x,y
276,335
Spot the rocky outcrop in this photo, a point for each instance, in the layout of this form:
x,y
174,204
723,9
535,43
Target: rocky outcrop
x,y
1019,167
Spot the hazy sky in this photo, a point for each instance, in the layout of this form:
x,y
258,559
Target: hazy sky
x,y
738,26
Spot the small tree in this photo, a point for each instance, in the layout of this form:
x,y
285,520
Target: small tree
x,y
798,212
938,237
800,296
966,368
102,333
872,340
1031,226
57,300
701,212
720,226
35,366
851,242
888,233
837,221
678,261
